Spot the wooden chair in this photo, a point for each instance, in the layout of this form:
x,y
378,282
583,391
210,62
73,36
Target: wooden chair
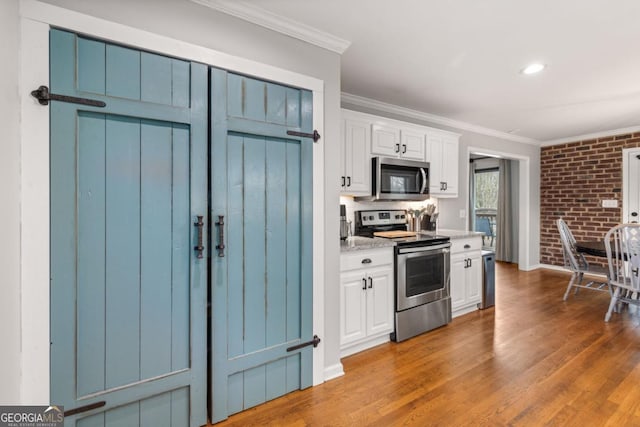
x,y
622,243
576,262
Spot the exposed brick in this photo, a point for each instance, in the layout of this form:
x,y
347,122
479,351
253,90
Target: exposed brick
x,y
575,177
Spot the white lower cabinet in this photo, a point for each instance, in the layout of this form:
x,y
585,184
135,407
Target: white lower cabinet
x,y
366,299
466,275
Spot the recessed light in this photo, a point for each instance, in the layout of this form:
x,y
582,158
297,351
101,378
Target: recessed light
x,y
533,68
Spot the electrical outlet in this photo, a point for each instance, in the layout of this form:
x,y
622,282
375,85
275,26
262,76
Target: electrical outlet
x,y
463,213
610,203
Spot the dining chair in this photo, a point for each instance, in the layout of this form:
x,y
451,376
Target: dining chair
x,y
577,263
483,224
622,243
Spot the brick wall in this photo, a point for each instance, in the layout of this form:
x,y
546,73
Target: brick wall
x,y
575,178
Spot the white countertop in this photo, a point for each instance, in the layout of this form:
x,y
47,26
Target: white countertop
x,y
459,234
357,243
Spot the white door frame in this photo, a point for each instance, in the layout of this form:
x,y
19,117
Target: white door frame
x,y
626,169
524,217
35,20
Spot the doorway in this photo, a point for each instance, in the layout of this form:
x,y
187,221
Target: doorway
x,y
494,203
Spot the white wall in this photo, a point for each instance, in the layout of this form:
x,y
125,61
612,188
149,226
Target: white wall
x,y
197,25
9,206
450,208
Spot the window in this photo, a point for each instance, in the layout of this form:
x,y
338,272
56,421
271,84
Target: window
x,y
485,203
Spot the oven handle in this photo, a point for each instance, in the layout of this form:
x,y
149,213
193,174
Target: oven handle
x,y
423,248
424,180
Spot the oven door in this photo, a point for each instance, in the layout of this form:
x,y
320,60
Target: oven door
x,y
422,275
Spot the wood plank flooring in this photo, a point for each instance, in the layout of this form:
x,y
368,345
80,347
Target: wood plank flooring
x,y
532,360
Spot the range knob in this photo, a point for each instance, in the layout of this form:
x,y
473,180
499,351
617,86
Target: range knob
x,y
402,216
370,217
397,216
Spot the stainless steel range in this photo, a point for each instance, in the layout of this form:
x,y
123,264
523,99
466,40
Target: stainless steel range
x,y
422,266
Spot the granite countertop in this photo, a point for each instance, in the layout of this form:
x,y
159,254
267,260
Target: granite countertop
x,y
357,243
459,234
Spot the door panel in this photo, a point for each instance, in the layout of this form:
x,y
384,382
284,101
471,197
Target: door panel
x,y
632,187
262,286
128,295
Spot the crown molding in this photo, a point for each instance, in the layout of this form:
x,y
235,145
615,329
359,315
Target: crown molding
x,y
259,16
613,132
432,118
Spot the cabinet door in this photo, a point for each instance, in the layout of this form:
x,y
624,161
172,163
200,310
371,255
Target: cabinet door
x,y
412,145
380,301
458,281
385,140
357,172
449,171
434,157
352,307
474,279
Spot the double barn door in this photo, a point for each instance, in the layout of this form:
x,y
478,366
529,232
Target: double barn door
x,y
130,284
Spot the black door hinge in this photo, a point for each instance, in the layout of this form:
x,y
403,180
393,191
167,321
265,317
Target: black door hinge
x,y
315,135
43,96
314,342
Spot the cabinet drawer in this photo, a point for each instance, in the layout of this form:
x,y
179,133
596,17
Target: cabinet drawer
x,y
466,245
366,259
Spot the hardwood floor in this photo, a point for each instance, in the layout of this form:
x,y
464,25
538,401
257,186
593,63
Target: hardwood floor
x,y
531,360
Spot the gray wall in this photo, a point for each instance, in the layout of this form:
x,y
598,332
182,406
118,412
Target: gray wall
x,y
10,206
450,208
186,21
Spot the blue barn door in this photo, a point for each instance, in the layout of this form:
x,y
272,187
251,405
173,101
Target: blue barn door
x,y
128,290
261,184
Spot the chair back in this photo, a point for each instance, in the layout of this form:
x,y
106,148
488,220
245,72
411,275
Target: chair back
x,y
573,260
622,243
484,225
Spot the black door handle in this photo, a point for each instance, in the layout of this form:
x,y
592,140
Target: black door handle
x,y
364,284
397,148
199,248
348,181
220,246
343,181
370,282
404,148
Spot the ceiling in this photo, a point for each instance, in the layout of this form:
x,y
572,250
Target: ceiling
x,y
461,59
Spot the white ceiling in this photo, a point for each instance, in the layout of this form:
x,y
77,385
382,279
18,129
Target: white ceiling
x,y
461,59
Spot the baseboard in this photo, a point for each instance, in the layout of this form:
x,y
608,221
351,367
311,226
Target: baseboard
x,y
333,371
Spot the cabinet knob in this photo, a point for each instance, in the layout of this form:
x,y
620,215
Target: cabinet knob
x,y
366,261
467,246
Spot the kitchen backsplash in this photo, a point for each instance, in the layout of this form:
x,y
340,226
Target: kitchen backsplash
x,y
352,206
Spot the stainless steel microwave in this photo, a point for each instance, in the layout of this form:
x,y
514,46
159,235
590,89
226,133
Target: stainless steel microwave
x,y
399,179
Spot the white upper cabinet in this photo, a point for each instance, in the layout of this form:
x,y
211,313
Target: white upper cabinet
x,y
356,163
442,155
412,144
365,135
397,141
385,140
